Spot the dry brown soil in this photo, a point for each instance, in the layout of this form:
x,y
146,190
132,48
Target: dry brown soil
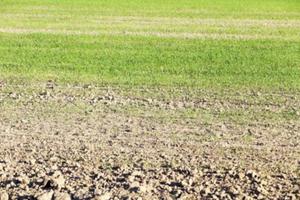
x,y
87,142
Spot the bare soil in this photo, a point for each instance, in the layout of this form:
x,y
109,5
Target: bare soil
x,y
88,142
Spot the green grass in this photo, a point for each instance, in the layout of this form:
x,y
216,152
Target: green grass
x,y
197,43
171,8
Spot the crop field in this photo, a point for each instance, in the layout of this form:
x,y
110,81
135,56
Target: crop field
x,y
149,99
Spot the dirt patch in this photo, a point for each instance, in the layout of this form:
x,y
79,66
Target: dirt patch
x,y
87,142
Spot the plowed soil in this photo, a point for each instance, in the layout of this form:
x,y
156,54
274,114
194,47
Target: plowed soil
x,y
89,142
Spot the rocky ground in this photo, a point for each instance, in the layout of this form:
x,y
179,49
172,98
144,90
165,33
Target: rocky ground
x,y
88,142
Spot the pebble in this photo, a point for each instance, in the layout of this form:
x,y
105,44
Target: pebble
x,y
45,196
3,195
105,196
61,196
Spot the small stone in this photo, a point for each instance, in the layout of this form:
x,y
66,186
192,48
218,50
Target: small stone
x,y
252,175
131,179
135,186
207,191
53,159
45,196
44,93
54,167
32,161
137,173
146,188
24,180
13,95
292,196
105,196
61,196
186,197
241,175
50,85
3,195
58,180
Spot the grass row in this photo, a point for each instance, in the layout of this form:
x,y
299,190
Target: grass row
x,y
270,9
151,60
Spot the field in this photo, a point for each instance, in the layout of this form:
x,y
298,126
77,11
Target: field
x,y
158,99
